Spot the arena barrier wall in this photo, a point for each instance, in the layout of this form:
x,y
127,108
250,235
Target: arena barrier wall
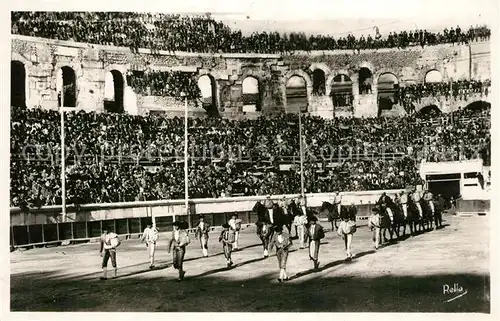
x,y
472,207
46,225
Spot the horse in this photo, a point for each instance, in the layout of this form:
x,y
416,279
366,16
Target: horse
x,y
413,219
293,210
286,217
392,220
265,234
428,215
434,215
331,211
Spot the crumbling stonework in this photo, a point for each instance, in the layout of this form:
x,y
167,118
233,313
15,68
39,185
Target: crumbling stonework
x,y
42,59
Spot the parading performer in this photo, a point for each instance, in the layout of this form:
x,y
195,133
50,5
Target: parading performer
x,y
227,238
150,237
177,244
202,230
347,228
109,243
282,241
374,225
314,234
235,224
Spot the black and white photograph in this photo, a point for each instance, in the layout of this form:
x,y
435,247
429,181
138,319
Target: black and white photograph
x,y
251,161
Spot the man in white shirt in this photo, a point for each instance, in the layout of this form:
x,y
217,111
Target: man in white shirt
x,y
235,225
150,236
109,243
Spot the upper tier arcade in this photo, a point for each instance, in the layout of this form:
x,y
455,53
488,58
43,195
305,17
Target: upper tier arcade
x,y
325,83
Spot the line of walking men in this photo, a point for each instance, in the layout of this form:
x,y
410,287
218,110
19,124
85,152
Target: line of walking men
x,y
269,229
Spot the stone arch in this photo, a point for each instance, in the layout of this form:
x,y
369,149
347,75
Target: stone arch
x,y
341,91
320,65
387,84
477,105
114,91
334,74
300,73
209,92
433,76
66,86
18,81
251,94
428,111
297,94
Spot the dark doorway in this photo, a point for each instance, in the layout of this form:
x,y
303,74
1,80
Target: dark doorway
x,y
318,82
448,189
116,104
69,87
17,84
209,95
296,95
365,81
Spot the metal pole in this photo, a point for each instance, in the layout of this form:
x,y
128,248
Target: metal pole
x,y
186,181
470,62
63,159
301,156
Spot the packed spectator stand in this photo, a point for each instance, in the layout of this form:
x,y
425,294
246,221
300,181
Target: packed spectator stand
x,y
204,34
121,158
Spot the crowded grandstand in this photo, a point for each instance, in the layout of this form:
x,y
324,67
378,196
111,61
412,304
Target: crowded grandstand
x,y
117,157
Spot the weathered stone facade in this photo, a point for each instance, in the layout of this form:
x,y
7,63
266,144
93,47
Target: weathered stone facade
x,y
42,58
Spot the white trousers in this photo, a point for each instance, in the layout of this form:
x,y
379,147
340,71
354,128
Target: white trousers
x,y
236,238
271,218
301,231
151,251
431,205
405,210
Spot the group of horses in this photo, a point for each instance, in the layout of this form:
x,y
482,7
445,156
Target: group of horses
x,y
392,217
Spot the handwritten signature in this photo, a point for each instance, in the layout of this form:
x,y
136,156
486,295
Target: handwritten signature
x,y
456,289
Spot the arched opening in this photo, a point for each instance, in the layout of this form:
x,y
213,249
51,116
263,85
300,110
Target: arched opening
x,y
475,109
433,76
66,81
251,95
365,81
318,82
386,87
17,84
113,92
429,112
296,95
341,91
207,86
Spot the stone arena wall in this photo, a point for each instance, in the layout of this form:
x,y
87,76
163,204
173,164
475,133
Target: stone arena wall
x,y
42,58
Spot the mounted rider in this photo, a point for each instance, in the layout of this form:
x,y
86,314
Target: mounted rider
x,y
403,199
429,199
337,201
416,199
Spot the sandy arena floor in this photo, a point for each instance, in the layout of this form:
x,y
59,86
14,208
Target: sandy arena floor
x,y
405,277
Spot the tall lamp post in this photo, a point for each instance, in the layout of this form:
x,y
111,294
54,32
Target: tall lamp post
x,y
186,156
63,158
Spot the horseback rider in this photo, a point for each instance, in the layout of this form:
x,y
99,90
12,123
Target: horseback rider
x,y
404,203
302,204
337,201
269,205
416,199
